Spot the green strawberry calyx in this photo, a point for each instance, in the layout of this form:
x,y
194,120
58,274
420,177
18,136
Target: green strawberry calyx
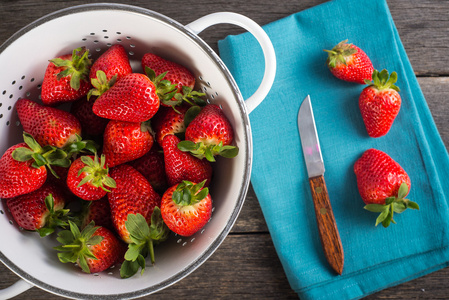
x,y
339,53
96,173
188,95
77,67
188,193
100,84
75,245
78,145
209,151
392,205
164,88
42,156
383,80
54,219
143,238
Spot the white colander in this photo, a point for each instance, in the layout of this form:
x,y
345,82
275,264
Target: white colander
x,y
97,26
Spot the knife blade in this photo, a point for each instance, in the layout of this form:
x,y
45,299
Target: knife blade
x,y
327,227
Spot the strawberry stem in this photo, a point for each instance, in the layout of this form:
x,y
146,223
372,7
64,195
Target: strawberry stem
x,y
392,205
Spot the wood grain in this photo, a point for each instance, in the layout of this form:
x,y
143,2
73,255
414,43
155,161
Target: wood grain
x,y
246,265
327,227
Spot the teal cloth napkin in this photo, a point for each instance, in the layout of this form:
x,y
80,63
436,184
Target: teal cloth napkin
x,y
375,257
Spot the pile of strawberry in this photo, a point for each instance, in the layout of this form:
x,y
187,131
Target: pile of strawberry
x,y
130,162
382,183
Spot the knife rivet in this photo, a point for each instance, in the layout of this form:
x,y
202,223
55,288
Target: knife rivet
x,y
318,190
323,211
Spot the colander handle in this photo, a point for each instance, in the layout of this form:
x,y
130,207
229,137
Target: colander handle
x,y
267,47
15,289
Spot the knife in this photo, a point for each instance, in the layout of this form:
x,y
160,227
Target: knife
x,y
327,227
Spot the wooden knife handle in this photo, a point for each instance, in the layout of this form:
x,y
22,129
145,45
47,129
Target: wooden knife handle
x,y
329,236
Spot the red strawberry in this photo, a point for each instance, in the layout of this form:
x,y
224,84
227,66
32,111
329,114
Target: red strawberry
x,y
94,249
113,62
152,167
186,207
19,177
134,98
91,124
348,62
66,78
380,103
48,125
98,211
41,210
125,141
133,195
181,166
88,178
177,74
169,121
383,185
209,134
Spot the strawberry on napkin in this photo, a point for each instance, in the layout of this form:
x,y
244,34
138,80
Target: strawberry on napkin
x,y
375,257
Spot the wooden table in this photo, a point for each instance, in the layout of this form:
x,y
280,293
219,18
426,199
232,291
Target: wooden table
x,y
246,264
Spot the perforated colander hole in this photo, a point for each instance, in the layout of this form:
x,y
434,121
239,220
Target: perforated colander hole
x,y
205,89
92,33
106,37
109,44
28,94
7,123
2,212
96,274
118,32
131,53
1,116
202,230
4,92
11,222
23,77
98,49
96,42
32,79
119,40
13,83
132,45
9,107
20,88
11,96
128,37
18,123
183,244
192,240
212,96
